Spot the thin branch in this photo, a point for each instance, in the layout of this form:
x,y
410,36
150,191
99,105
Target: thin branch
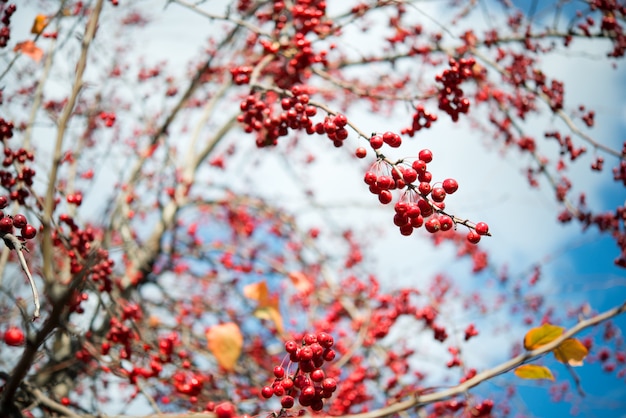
x,y
416,400
47,247
13,243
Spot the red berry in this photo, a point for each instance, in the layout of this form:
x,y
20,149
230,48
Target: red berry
x,y
425,155
6,225
317,375
291,346
432,225
446,223
450,185
482,228
267,392
305,354
376,141
4,202
325,340
29,232
438,194
384,197
225,410
14,337
329,384
473,237
19,221
287,402
279,372
361,152
419,166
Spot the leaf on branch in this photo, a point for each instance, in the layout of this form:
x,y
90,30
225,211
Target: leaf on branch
x,y
533,371
29,49
542,335
39,24
268,306
300,281
571,352
225,342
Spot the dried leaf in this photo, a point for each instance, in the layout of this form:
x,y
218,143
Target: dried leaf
x,y
39,24
542,335
571,351
29,49
225,342
257,291
268,306
271,313
300,281
533,371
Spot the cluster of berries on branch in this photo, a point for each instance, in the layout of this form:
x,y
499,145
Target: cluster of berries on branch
x,y
308,384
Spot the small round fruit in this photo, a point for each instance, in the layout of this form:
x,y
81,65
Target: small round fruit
x,y
19,221
360,152
29,232
14,337
450,185
473,237
482,228
425,155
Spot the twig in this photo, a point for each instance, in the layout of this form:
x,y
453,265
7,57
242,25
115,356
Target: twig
x,y
13,243
416,400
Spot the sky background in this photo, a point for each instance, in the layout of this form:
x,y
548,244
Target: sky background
x,y
577,267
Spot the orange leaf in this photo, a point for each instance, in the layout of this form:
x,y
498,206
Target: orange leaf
x,y
571,351
532,371
225,342
542,335
268,307
39,24
29,49
257,291
300,281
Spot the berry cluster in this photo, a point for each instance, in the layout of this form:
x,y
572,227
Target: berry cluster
x,y
258,116
5,31
9,223
108,118
6,129
451,98
390,138
308,384
421,119
334,128
422,203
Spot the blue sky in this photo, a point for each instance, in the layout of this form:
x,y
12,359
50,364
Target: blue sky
x,y
492,189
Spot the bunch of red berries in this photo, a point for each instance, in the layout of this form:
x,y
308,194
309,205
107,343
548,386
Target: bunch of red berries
x,y
422,204
5,31
421,119
308,384
259,116
9,223
451,98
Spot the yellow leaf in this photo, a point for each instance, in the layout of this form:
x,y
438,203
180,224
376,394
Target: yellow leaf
x,y
271,313
29,49
225,342
532,371
39,24
300,281
571,351
268,307
542,335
